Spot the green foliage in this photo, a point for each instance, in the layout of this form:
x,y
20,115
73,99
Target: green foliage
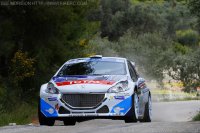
x,y
3,99
23,114
187,37
34,42
197,117
185,67
195,7
100,46
22,67
144,50
178,48
112,12
22,72
159,36
144,17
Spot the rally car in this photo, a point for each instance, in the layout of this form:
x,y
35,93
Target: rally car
x,y
95,87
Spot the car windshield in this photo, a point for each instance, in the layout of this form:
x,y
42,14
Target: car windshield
x,y
94,68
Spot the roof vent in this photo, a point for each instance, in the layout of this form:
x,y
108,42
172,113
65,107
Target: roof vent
x,y
96,56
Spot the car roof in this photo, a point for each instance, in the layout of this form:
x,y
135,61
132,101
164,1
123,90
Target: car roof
x,y
114,59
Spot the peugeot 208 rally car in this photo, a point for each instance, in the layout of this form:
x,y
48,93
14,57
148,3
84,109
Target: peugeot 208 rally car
x,y
95,87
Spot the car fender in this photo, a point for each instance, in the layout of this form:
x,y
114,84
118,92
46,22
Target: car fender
x,y
42,89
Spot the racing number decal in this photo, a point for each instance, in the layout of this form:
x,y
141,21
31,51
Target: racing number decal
x,y
85,82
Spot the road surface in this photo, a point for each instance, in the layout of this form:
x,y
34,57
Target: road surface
x,y
168,117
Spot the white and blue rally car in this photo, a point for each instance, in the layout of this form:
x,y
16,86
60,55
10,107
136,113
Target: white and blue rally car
x,y
95,87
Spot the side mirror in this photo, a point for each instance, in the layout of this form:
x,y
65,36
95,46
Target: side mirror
x,y
140,81
133,63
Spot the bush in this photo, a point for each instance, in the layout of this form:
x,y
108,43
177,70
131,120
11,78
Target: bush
x,y
143,49
178,48
21,73
23,114
101,46
187,37
197,117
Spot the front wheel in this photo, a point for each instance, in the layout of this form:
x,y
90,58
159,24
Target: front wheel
x,y
134,110
148,111
43,120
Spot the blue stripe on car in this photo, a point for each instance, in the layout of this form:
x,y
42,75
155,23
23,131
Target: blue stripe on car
x,y
125,105
47,109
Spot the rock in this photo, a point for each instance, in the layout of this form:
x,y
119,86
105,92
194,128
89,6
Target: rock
x,y
12,124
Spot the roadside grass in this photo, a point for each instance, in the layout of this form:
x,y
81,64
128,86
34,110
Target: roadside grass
x,y
168,95
180,99
164,91
197,117
23,114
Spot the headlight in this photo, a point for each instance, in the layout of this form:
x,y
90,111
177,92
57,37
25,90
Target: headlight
x,y
51,89
119,87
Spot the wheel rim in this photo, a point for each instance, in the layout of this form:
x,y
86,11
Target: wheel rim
x,y
150,108
136,105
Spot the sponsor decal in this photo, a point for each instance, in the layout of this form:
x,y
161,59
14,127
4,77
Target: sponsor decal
x,y
122,94
118,109
50,111
47,109
119,97
111,97
82,114
123,106
104,82
127,94
52,98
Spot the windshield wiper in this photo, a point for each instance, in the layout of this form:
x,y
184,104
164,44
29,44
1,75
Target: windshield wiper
x,y
95,74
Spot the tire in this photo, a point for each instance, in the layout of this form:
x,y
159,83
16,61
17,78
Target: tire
x,y
148,111
43,120
133,117
69,122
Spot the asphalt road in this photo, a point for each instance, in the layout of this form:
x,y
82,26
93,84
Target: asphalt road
x,y
168,117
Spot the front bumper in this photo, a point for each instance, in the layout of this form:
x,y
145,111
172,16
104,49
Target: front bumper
x,y
114,104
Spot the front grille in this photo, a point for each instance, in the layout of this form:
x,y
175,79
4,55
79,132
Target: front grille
x,y
83,100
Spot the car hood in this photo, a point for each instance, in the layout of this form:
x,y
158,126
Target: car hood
x,y
86,84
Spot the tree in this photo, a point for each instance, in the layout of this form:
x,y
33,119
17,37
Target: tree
x,y
194,6
48,34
